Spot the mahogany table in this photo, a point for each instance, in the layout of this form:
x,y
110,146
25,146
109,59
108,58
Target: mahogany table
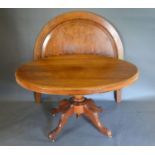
x,y
76,76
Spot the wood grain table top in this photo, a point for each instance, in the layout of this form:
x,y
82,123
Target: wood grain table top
x,y
76,74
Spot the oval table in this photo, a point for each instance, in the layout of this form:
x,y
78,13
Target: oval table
x,y
76,76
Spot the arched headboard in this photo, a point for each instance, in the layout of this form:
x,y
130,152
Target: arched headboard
x,y
78,32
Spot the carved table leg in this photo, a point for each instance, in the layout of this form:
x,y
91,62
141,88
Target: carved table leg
x,y
93,116
64,117
63,105
78,105
91,104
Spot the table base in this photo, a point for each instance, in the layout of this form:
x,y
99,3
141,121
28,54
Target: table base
x,y
78,105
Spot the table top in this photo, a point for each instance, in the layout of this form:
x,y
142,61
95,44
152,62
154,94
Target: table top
x,y
76,74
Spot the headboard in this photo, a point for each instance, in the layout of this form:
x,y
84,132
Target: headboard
x,y
78,32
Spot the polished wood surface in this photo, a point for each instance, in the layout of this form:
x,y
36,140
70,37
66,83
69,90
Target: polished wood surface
x,y
76,74
78,32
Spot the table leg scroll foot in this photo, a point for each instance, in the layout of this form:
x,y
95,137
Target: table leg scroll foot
x,y
64,117
94,118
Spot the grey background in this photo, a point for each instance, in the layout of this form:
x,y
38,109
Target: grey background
x,y
24,123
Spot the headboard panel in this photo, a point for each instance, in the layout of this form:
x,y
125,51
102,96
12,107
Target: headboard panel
x,y
78,33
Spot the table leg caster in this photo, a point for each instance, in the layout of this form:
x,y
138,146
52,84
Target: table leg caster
x,y
51,137
109,133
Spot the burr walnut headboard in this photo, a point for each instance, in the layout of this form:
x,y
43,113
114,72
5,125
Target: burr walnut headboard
x,y
78,32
